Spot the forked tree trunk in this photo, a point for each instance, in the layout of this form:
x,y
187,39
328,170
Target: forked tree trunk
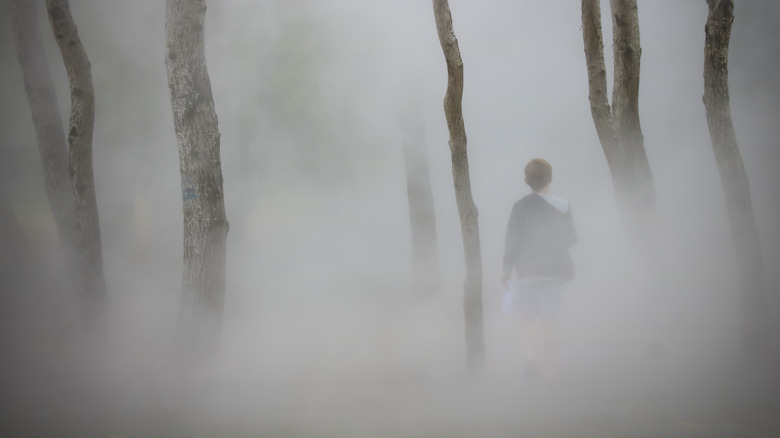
x,y
422,216
619,130
82,118
736,188
472,301
205,223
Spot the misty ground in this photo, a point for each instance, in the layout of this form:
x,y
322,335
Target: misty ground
x,y
596,400
386,365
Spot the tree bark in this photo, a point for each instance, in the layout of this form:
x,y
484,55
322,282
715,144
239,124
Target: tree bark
x,y
597,81
735,182
472,301
42,98
198,140
82,119
618,128
636,178
422,216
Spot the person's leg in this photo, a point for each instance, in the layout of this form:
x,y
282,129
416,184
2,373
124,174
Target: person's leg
x,y
550,304
528,330
550,334
528,301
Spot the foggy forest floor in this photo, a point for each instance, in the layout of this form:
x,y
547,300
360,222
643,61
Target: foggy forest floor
x,y
596,406
350,365
340,394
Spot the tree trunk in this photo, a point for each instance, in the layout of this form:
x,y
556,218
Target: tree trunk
x,y
472,301
41,95
618,129
82,118
597,81
637,193
425,264
733,177
205,223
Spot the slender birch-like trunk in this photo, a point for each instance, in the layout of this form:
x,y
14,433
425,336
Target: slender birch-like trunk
x,y
39,86
472,300
736,187
636,177
597,82
618,128
82,120
52,148
205,223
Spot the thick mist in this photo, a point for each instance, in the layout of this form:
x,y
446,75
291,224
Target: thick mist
x,y
323,333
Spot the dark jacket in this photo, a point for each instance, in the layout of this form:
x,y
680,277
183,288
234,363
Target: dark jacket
x,y
538,239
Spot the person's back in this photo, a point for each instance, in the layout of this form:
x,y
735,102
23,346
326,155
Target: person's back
x,y
539,235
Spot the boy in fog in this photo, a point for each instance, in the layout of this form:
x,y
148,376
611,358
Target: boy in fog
x,y
538,238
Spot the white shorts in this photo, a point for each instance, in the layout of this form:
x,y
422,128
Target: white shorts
x,y
534,298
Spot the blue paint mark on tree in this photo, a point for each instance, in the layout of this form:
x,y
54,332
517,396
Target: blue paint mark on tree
x,y
188,193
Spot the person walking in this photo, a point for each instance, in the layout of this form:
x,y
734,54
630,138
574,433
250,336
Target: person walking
x,y
539,235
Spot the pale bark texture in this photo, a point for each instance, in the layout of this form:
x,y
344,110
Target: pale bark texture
x,y
82,119
734,178
39,86
50,134
472,301
198,140
422,216
618,128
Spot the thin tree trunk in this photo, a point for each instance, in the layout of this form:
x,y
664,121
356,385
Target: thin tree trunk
x,y
735,182
636,178
82,118
42,97
205,223
422,216
618,128
597,81
53,150
472,301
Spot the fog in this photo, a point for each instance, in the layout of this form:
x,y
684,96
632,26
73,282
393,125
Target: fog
x,y
324,334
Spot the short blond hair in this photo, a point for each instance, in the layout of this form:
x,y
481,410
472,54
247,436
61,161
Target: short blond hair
x,y
538,174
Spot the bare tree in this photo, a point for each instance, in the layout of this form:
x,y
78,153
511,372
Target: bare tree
x,y
472,301
205,223
422,215
618,128
82,120
735,182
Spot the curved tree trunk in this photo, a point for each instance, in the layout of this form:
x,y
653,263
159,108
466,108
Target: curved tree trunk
x,y
205,223
41,95
53,150
472,301
733,176
422,216
618,128
82,120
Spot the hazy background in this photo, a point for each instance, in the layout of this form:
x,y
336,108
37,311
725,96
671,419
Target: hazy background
x,y
318,304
